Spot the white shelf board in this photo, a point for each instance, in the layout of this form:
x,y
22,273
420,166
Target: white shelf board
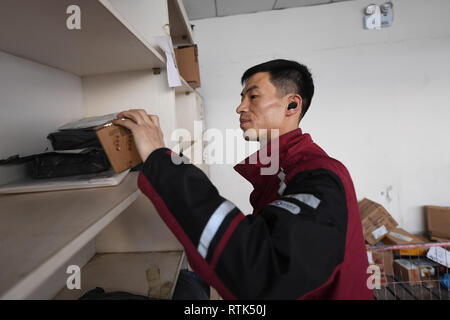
x,y
127,272
40,231
180,27
106,43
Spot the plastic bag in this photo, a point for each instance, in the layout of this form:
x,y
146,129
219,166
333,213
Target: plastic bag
x,y
55,164
74,139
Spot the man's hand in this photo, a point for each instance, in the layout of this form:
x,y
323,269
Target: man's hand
x,y
145,129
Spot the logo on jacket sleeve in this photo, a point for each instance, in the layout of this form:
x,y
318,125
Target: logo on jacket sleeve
x,y
292,208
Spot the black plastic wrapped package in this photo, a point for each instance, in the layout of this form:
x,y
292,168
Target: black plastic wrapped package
x,y
74,139
56,164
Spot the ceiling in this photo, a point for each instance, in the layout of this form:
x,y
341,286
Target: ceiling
x,y
201,9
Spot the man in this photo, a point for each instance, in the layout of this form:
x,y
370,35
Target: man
x,y
304,239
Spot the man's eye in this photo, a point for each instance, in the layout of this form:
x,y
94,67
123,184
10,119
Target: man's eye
x,y
253,97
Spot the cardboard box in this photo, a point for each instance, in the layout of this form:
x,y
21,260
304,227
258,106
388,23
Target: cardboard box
x,y
119,146
376,221
187,61
428,271
398,236
439,239
383,258
406,271
438,220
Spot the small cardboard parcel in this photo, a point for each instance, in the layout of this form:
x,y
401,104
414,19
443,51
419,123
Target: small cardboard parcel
x,y
376,221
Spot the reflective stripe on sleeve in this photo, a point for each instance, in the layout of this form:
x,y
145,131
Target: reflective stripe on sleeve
x,y
213,225
308,199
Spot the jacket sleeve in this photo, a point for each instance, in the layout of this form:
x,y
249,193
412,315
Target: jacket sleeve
x,y
288,249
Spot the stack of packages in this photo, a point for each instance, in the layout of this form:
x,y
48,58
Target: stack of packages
x,y
77,151
411,262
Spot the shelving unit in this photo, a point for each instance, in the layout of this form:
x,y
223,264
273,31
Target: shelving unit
x,y
110,63
41,230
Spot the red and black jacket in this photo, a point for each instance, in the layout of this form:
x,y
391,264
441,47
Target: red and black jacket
x,y
303,241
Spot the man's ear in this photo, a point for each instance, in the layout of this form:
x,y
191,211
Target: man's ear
x,y
294,105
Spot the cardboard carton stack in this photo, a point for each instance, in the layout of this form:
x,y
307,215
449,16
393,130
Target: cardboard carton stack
x,y
413,265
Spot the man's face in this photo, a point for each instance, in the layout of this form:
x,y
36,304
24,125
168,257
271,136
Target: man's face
x,y
261,107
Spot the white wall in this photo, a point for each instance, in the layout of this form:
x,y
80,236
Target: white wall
x,y
108,93
40,99
381,103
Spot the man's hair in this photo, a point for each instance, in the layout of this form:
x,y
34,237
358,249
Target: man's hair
x,y
288,77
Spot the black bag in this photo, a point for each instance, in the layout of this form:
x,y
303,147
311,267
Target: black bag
x,y
189,286
100,294
74,139
54,164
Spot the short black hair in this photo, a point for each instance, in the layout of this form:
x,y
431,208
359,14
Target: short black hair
x,y
288,77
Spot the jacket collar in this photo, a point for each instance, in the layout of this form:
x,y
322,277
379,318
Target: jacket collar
x,y
250,168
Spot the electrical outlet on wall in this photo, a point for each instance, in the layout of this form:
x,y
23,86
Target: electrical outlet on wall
x,y
377,17
387,14
372,19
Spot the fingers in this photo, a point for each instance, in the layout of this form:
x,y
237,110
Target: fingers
x,y
154,119
142,114
130,115
129,124
134,115
140,117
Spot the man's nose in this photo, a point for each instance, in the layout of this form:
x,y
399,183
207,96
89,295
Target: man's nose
x,y
242,107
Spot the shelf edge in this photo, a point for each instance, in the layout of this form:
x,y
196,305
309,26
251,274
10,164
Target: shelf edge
x,y
186,21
